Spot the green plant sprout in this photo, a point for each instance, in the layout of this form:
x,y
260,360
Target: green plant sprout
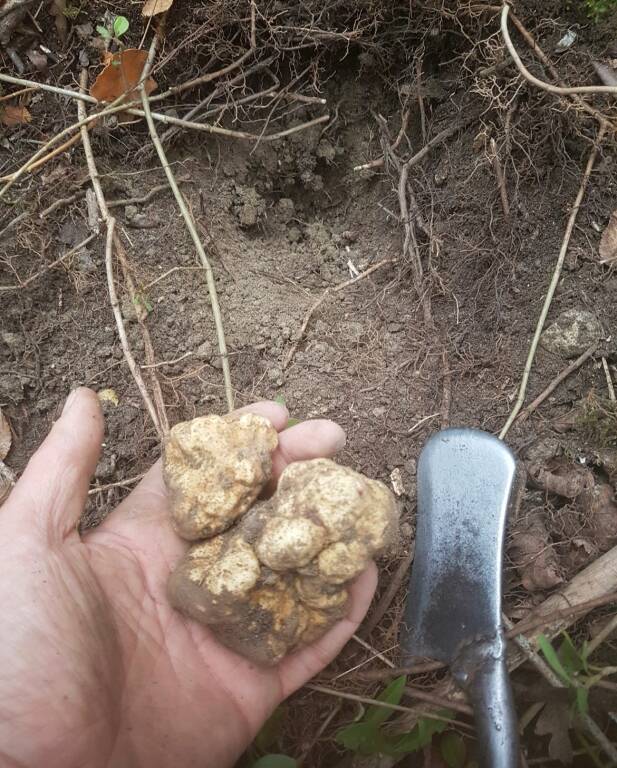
x,y
290,421
597,9
368,737
572,667
119,27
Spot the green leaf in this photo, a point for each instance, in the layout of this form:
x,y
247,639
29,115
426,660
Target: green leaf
x,y
363,738
291,422
453,750
585,656
582,700
271,730
121,26
403,745
276,761
552,658
418,738
103,32
569,655
427,727
392,695
279,399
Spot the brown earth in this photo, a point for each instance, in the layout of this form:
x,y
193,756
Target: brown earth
x,y
292,218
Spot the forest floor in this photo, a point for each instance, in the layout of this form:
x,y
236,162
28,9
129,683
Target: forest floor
x,y
454,263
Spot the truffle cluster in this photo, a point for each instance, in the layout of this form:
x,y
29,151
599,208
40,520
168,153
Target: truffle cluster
x,y
267,576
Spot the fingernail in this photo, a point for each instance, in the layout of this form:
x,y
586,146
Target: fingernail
x,y
70,401
341,441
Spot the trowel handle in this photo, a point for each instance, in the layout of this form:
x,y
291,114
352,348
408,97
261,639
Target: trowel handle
x,y
490,694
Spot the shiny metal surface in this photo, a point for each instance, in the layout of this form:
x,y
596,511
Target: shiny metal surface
x,y
467,481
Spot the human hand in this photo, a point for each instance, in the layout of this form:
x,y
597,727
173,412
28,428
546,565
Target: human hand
x,y
96,669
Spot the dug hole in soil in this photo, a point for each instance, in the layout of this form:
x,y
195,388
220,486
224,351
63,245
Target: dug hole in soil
x,y
391,357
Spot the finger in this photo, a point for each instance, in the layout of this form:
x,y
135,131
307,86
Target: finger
x,y
146,507
315,439
52,491
298,668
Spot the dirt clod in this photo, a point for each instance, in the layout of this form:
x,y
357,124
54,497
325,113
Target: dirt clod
x,y
574,331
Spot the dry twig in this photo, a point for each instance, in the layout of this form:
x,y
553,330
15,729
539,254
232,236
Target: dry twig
x,y
560,90
53,264
561,376
158,416
190,225
553,284
390,593
501,180
384,704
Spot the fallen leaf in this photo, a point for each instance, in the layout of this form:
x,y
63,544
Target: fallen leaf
x,y
121,76
562,477
12,116
5,437
37,59
554,722
608,241
599,515
532,554
154,7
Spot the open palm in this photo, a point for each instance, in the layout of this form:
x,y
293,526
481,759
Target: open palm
x,y
96,669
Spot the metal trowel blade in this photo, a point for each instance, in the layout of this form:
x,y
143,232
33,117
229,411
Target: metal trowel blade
x,y
467,480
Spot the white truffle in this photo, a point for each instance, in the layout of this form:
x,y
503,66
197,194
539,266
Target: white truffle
x,y
214,468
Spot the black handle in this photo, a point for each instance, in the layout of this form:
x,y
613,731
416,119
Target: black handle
x,y
481,670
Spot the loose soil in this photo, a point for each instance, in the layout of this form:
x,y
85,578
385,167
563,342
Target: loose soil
x,y
292,218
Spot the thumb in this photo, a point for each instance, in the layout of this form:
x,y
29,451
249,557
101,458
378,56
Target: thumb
x,y
51,493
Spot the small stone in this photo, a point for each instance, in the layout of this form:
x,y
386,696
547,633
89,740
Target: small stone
x,y
85,262
37,59
204,351
326,151
14,341
574,331
285,209
130,211
129,313
275,375
83,31
106,467
379,412
349,236
543,450
396,480
294,235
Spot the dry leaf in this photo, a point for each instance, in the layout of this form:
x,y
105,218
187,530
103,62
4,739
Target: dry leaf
x,y
5,437
121,76
554,722
531,552
154,7
12,116
608,242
